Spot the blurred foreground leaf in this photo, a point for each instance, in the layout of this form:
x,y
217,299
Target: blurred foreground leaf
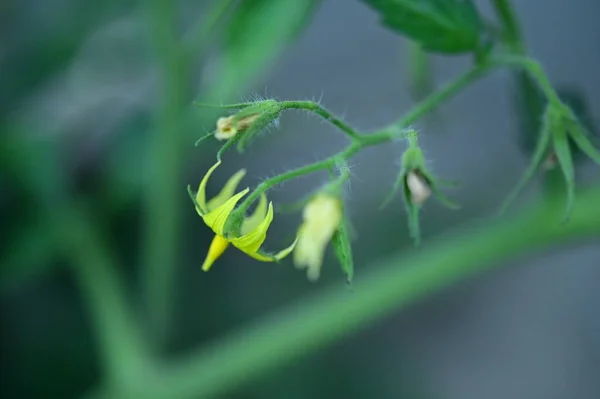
x,y
258,30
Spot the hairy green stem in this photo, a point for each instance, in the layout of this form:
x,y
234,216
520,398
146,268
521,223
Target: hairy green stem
x,y
160,245
360,141
357,144
312,323
534,69
323,113
446,92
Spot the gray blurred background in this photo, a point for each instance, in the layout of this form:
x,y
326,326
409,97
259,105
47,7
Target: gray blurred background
x,y
527,330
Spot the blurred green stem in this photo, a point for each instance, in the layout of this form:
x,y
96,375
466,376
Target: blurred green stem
x,y
161,240
122,348
393,284
420,75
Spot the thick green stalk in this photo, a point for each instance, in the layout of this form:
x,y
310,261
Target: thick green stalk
x,y
123,349
309,325
160,245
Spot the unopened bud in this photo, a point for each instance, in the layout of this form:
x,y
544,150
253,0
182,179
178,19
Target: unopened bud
x,y
228,127
418,187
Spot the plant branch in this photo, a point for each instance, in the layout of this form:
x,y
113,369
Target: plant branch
x,y
313,323
360,141
534,69
323,113
442,95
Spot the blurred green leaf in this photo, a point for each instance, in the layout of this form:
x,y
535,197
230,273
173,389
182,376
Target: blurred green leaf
x,y
420,72
30,253
445,26
258,30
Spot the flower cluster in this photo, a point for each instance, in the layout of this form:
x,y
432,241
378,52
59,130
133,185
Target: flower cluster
x,y
322,216
324,221
216,212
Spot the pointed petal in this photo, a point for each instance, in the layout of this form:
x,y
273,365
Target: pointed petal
x,y
258,255
286,251
565,160
217,247
193,198
252,221
201,195
261,257
536,160
578,135
216,218
227,191
252,241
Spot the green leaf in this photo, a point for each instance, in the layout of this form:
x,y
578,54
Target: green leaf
x,y
30,254
445,26
343,249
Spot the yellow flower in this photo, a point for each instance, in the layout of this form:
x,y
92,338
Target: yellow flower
x,y
227,128
322,217
254,227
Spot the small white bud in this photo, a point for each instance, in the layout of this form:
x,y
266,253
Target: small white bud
x,y
418,187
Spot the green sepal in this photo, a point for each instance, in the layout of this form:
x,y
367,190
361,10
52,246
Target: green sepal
x,y
341,242
246,136
206,136
434,184
565,160
400,177
539,154
412,211
579,135
223,106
